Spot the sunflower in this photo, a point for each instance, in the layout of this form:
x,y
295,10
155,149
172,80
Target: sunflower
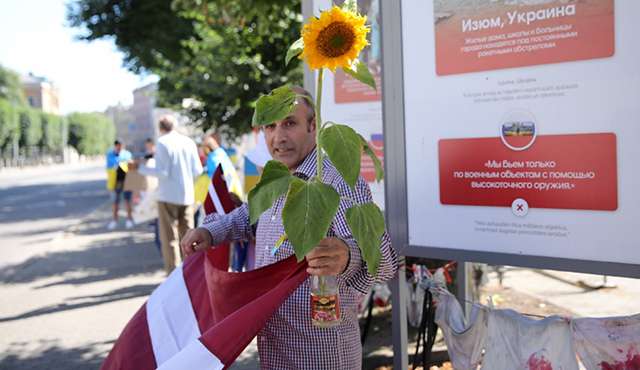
x,y
334,40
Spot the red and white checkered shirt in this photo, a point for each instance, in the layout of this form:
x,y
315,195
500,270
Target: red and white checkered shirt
x,y
289,340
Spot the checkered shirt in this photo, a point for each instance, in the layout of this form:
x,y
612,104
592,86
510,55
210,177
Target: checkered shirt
x,y
289,340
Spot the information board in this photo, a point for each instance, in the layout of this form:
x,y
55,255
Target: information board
x,y
520,126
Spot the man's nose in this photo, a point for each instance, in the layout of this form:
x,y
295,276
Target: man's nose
x,y
280,134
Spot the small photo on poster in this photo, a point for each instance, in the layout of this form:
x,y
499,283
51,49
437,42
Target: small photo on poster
x,y
348,89
484,35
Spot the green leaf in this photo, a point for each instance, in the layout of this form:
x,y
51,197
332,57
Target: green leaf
x,y
307,214
350,6
376,162
344,148
276,106
360,72
294,50
273,183
367,225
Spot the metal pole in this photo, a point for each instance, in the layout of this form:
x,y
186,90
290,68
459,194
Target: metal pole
x,y
395,171
309,75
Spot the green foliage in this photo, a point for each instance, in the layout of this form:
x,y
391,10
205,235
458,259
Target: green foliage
x,y
376,161
307,214
273,183
149,33
30,127
343,146
90,133
9,124
361,72
275,106
53,130
219,53
367,225
294,50
11,87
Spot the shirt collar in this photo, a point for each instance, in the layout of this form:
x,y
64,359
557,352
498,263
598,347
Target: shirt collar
x,y
307,169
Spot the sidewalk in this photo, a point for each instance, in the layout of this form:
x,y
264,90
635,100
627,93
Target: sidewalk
x,y
576,292
64,309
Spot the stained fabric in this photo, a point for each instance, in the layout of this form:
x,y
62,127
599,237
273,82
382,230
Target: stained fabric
x,y
515,342
611,343
465,341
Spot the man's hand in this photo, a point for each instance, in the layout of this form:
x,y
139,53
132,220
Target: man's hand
x,y
329,257
195,240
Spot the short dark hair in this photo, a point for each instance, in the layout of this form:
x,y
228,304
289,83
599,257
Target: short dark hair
x,y
149,140
166,123
117,142
307,100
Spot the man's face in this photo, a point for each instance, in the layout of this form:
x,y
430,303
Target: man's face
x,y
292,139
117,148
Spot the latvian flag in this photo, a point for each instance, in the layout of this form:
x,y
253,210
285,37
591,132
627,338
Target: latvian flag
x,y
203,316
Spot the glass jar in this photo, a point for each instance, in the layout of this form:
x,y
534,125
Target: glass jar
x,y
325,302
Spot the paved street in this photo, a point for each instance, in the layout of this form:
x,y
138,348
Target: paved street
x,y
68,286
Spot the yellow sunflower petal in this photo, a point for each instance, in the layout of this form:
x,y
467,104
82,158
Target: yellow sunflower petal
x,y
334,39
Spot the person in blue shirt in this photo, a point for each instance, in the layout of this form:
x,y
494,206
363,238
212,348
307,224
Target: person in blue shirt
x,y
117,159
218,156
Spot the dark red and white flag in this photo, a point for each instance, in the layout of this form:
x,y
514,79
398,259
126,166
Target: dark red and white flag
x,y
203,316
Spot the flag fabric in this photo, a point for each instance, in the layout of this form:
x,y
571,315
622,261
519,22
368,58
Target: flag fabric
x,y
219,201
203,316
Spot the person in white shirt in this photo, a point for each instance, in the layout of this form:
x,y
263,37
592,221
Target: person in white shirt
x,y
177,165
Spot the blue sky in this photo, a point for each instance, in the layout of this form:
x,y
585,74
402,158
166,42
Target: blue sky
x,y
90,76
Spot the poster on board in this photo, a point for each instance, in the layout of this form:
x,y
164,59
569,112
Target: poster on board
x,y
520,121
351,102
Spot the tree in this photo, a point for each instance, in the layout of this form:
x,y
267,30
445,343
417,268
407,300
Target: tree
x,y
90,133
11,87
53,131
149,33
9,124
30,127
230,52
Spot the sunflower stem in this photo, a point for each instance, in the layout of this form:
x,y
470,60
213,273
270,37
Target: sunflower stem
x,y
318,109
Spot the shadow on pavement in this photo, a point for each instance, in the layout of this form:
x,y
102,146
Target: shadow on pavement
x,y
87,301
55,357
43,201
105,260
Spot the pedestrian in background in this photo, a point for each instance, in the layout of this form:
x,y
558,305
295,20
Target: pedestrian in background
x,y
177,165
149,153
117,159
218,156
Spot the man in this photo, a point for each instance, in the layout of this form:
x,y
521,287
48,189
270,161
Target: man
x,y
289,340
176,165
117,159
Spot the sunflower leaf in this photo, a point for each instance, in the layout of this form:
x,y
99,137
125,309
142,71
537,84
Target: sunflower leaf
x,y
360,72
307,214
350,6
275,106
344,148
376,162
273,183
367,225
294,50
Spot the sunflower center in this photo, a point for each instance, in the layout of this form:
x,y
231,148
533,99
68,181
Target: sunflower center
x,y
336,39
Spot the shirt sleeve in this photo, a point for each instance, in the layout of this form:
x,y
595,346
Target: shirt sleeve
x,y
230,227
356,275
161,168
195,160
